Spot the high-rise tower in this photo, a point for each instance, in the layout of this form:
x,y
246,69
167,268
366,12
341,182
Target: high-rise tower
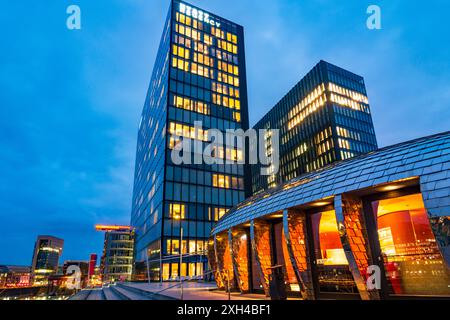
x,y
199,76
324,118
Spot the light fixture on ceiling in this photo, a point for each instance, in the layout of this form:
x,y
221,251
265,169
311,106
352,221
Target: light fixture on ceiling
x,y
391,187
321,203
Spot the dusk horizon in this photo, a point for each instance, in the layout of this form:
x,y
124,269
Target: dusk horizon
x,y
72,99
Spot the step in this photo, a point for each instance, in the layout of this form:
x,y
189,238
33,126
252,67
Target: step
x,y
110,294
149,294
96,294
82,295
126,294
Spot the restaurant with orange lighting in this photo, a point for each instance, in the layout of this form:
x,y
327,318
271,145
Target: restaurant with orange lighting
x,y
372,227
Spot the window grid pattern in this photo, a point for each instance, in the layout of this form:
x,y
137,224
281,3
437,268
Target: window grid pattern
x,y
326,99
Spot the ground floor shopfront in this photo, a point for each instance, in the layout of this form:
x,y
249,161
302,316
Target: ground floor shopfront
x,y
374,227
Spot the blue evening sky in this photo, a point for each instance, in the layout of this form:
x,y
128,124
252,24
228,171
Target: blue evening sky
x,y
71,100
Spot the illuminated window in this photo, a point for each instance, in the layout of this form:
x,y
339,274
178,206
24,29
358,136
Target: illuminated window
x,y
180,64
344,144
207,39
184,269
174,270
173,246
221,181
192,248
218,32
166,271
332,265
219,213
199,269
177,211
200,246
192,269
187,131
181,52
191,105
412,259
200,47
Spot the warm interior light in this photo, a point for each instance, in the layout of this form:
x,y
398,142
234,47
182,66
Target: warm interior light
x,y
320,203
111,228
391,187
279,215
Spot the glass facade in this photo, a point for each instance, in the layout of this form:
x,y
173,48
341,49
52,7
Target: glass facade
x,y
199,76
332,265
117,259
47,251
412,260
324,118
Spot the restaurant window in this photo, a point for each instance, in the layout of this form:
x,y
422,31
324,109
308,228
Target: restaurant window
x,y
333,271
412,260
282,258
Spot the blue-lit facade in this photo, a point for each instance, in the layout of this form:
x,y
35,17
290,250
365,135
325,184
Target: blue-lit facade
x,y
199,75
324,118
331,229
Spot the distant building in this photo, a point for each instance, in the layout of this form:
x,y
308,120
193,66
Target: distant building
x,y
92,264
47,251
324,118
118,253
15,276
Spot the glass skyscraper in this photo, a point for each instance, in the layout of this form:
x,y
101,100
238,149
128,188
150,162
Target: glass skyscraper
x,y
199,75
324,118
46,253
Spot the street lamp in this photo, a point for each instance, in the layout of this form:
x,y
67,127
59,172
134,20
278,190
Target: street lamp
x,y
178,217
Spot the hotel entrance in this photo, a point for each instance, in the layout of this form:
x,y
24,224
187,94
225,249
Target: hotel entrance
x,y
330,269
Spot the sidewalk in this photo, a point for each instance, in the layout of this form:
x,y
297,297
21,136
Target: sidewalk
x,y
193,291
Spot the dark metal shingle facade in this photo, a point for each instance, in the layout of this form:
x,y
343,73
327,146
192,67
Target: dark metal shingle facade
x,y
426,158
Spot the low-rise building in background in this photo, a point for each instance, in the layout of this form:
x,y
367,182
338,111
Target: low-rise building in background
x,y
118,253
